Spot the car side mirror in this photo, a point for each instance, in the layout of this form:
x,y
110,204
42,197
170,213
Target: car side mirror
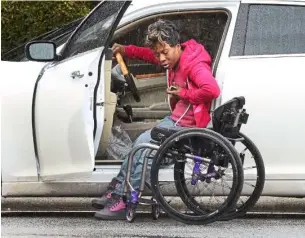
x,y
42,51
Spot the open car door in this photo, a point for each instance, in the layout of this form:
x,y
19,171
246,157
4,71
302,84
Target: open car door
x,y
68,111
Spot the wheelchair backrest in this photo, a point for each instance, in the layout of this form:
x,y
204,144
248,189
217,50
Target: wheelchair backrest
x,y
227,118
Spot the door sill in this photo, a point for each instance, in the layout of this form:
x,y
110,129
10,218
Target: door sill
x,y
99,182
107,162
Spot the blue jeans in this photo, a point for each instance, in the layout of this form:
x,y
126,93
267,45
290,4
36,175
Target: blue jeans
x,y
138,160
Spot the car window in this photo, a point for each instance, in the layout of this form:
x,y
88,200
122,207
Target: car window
x,y
275,29
95,30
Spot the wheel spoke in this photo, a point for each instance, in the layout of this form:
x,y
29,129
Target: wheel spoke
x,y
243,203
249,184
182,172
244,150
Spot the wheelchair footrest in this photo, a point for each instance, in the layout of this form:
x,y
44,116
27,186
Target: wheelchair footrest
x,y
145,201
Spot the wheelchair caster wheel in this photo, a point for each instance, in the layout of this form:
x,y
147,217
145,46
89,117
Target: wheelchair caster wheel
x,y
131,213
155,210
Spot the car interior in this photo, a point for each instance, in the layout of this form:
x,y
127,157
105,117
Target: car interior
x,y
124,115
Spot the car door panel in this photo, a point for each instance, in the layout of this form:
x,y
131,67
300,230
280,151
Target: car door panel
x,y
69,100
264,66
273,104
63,123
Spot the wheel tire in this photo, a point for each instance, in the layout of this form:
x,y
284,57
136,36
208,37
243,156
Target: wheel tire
x,y
191,203
236,183
131,213
260,182
155,211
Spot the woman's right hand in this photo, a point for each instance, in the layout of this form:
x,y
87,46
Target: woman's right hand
x,y
117,48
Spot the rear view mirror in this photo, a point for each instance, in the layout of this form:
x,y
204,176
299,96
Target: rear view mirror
x,y
41,51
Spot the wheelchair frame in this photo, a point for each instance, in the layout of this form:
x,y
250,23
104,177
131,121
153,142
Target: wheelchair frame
x,y
226,122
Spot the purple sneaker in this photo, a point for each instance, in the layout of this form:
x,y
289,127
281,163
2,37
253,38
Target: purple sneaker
x,y
114,210
99,203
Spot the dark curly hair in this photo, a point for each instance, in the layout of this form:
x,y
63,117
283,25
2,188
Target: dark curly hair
x,y
162,31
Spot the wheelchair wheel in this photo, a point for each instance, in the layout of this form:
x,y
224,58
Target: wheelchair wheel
x,y
155,211
131,212
254,173
211,155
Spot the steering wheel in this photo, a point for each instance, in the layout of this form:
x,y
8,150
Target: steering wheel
x,y
130,80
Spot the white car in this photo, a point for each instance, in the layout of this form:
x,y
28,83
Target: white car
x,y
58,112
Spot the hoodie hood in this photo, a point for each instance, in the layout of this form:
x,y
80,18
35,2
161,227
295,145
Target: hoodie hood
x,y
192,54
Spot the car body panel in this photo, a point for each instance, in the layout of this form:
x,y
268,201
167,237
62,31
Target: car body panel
x,y
17,148
274,100
280,143
97,184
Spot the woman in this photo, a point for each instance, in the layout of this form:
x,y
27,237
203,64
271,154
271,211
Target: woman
x,y
189,71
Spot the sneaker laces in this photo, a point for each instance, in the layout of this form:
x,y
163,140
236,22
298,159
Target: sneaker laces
x,y
115,201
115,205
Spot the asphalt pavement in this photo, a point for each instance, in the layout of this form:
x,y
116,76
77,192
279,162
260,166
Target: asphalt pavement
x,y
73,217
264,204
144,226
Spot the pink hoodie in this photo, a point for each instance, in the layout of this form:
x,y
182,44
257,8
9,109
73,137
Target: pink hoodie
x,y
194,75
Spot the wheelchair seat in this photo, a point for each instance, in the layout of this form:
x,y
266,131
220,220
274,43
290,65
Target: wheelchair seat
x,y
160,134
226,120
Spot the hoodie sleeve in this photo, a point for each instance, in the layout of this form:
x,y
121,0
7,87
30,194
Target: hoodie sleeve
x,y
206,88
141,53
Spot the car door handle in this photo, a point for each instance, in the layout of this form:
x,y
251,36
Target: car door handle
x,y
77,74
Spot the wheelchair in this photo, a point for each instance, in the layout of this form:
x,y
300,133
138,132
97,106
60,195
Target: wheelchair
x,y
199,157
